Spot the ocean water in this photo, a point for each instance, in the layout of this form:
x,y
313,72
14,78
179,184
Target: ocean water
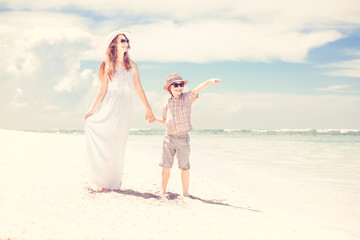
x,y
227,132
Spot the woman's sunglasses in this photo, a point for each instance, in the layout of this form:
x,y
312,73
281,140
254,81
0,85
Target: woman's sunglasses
x,y
178,84
124,40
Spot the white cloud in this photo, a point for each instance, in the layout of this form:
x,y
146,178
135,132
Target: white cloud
x,y
322,12
352,52
349,68
206,31
51,20
345,64
219,40
40,51
16,103
233,108
50,107
333,88
22,32
68,82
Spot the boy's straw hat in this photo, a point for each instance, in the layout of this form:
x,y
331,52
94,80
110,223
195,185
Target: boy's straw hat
x,y
113,35
173,77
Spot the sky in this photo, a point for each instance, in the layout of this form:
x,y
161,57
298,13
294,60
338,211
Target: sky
x,y
284,64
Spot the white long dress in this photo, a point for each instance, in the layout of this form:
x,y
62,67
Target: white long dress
x,y
106,132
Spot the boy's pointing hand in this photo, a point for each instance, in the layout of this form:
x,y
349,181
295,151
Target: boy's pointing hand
x,y
215,81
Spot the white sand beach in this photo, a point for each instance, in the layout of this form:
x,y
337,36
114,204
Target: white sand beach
x,y
44,195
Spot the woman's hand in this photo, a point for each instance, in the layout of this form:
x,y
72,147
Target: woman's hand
x,y
88,115
149,116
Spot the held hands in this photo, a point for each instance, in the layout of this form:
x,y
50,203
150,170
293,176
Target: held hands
x,y
149,116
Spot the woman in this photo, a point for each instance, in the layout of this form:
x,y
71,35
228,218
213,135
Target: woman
x,y
108,121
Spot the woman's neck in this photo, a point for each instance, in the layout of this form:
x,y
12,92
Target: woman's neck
x,y
120,56
120,62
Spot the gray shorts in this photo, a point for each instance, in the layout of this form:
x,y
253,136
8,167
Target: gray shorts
x,y
178,145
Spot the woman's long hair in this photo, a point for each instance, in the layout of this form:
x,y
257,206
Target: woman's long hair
x,y
108,66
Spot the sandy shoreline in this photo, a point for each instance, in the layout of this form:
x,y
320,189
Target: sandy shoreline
x,y
44,196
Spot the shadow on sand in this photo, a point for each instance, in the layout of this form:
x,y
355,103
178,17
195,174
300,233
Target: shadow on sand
x,y
174,196
216,202
144,195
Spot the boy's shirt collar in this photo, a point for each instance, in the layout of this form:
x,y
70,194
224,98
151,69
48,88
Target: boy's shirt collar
x,y
172,97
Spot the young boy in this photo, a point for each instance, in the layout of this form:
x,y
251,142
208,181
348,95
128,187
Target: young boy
x,y
176,116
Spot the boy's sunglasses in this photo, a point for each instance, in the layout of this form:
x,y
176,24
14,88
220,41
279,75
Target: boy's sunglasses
x,y
178,84
124,40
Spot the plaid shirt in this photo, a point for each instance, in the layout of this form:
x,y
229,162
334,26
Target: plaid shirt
x,y
177,113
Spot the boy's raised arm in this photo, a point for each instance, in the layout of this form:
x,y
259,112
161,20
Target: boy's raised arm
x,y
205,84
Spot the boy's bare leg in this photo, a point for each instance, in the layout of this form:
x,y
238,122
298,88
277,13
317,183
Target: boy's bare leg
x,y
164,179
185,179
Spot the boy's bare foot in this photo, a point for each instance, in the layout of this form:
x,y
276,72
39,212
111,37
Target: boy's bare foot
x,y
104,190
164,196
